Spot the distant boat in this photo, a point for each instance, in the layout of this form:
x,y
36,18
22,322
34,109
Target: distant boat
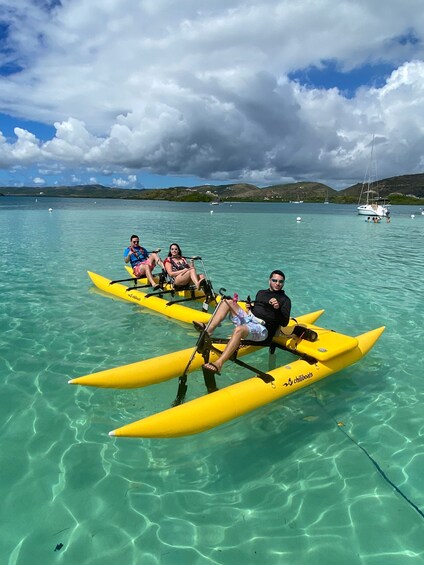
x,y
214,203
370,203
326,198
298,201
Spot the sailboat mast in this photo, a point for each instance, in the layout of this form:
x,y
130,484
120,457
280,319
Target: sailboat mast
x,y
371,171
368,177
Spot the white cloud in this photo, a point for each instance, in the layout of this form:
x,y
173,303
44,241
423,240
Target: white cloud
x,y
203,89
121,183
129,182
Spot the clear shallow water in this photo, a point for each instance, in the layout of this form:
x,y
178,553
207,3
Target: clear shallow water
x,y
284,484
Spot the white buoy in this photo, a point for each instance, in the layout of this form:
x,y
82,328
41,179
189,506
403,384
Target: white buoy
x,y
412,215
50,209
211,212
298,219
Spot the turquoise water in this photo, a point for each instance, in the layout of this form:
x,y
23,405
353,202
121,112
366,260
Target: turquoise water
x,y
331,474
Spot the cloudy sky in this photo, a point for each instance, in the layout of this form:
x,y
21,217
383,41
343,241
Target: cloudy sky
x,y
157,93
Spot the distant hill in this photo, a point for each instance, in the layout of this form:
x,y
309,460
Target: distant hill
x,y
306,191
310,191
100,191
393,188
405,189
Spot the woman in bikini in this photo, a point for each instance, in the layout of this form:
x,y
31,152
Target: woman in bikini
x,y
180,270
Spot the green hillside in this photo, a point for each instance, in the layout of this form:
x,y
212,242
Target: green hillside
x,y
407,189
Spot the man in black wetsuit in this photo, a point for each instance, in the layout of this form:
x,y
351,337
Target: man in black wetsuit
x,y
270,310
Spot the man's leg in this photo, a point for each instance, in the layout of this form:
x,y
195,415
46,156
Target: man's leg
x,y
139,271
155,260
149,275
224,307
239,333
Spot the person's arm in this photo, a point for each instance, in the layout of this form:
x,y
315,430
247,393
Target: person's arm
x,y
260,302
262,298
186,267
259,298
181,271
285,309
168,267
127,254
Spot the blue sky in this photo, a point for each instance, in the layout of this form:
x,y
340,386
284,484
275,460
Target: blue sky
x,y
157,94
347,82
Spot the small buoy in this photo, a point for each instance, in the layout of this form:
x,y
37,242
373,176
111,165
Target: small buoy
x,y
298,219
50,209
412,215
36,200
211,211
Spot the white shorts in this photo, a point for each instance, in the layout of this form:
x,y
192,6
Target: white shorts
x,y
257,331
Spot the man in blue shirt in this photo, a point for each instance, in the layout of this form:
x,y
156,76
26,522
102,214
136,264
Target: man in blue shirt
x,y
142,261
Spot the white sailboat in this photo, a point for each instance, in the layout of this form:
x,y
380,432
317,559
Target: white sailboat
x,y
370,204
326,198
298,201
